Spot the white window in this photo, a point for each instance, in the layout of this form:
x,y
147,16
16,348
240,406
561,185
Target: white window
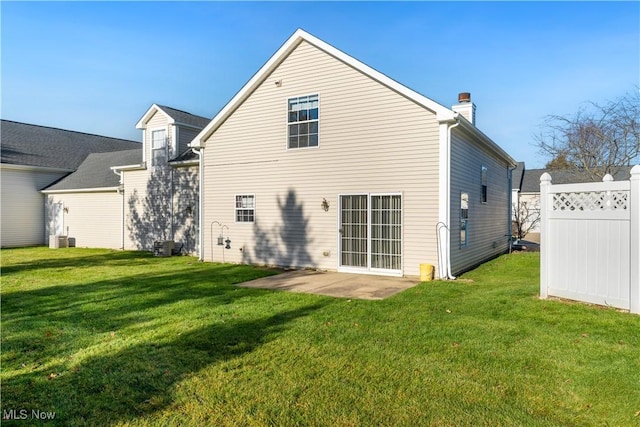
x,y
484,184
245,208
303,121
158,147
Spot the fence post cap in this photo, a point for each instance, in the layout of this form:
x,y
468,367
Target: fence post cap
x,y
635,171
607,178
545,178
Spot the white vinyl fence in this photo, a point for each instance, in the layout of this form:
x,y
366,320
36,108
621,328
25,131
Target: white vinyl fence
x,y
590,241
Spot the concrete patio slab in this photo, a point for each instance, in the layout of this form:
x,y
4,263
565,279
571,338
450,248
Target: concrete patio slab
x,y
329,283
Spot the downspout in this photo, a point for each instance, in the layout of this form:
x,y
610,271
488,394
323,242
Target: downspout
x,y
171,207
448,240
510,205
198,151
121,191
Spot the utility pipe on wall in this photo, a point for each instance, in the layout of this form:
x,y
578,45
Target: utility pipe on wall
x,y
447,242
199,152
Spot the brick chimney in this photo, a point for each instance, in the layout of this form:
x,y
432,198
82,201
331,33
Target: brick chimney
x,y
465,107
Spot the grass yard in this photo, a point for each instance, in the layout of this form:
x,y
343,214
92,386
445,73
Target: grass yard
x,y
98,337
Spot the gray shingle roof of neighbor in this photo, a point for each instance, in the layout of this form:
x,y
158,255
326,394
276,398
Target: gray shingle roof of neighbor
x,y
531,181
95,171
184,117
33,145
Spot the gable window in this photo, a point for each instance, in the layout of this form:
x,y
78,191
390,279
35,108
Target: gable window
x,y
303,121
158,147
245,208
484,184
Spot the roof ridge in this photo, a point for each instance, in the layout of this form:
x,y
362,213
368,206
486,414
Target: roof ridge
x,y
181,111
70,131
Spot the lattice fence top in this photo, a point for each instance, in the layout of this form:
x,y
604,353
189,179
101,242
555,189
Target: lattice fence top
x,y
591,201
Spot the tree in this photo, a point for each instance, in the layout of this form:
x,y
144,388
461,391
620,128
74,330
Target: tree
x,y
526,217
596,140
558,162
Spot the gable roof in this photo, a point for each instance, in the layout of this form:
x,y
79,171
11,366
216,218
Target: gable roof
x,y
47,147
96,172
443,113
531,180
174,116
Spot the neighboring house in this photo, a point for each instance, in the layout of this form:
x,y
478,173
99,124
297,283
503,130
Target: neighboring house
x,y
130,199
529,191
161,195
88,204
34,157
517,176
320,161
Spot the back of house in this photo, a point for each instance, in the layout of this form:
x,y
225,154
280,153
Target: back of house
x,y
322,162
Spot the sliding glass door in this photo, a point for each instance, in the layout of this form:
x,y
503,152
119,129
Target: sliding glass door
x,y
371,232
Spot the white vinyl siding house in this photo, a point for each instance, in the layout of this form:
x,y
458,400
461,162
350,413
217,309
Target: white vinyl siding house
x,y
185,191
365,199
479,174
92,219
119,200
23,208
34,158
161,199
373,141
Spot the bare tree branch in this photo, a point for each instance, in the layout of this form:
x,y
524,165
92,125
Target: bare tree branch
x,y
596,140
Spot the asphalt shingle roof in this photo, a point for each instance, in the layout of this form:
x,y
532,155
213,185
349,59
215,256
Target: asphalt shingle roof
x,y
185,156
33,145
95,171
531,181
517,175
184,117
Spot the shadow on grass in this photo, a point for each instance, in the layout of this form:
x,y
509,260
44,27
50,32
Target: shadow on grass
x,y
112,350
142,379
65,258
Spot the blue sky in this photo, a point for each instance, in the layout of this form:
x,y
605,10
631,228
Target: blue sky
x,y
97,67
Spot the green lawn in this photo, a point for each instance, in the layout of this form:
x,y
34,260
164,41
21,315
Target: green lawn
x,y
122,338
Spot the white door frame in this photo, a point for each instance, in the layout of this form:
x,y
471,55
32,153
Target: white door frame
x,y
369,269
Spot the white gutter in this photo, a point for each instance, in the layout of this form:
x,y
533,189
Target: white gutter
x,y
119,173
34,168
199,152
139,166
177,164
82,190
